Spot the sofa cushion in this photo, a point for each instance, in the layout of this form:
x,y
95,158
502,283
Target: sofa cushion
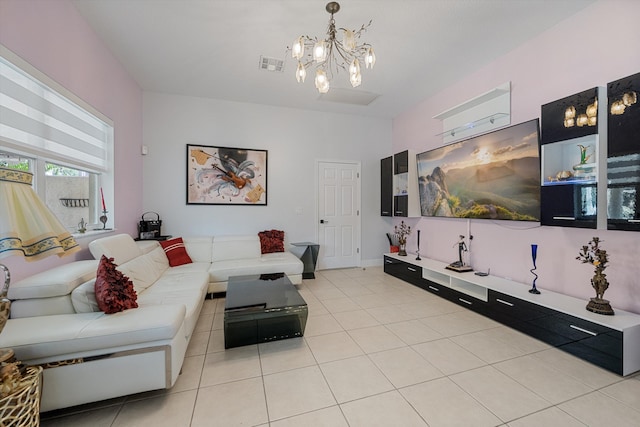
x,y
271,241
235,247
55,282
83,298
146,269
121,248
198,248
278,262
114,290
42,306
176,252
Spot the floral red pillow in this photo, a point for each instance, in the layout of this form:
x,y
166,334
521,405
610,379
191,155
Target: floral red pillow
x,y
176,252
114,290
271,241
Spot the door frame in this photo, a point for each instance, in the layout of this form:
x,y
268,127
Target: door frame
x,y
316,215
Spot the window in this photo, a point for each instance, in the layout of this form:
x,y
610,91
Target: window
x,y
64,142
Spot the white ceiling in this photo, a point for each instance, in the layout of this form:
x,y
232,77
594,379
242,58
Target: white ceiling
x,y
211,48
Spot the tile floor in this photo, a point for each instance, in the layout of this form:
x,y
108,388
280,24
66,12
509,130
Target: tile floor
x,y
376,352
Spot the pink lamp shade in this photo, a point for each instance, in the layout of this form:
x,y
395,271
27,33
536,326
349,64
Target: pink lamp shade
x,y
28,228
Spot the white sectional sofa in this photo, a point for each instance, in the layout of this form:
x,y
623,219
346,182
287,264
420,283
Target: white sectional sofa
x,y
89,355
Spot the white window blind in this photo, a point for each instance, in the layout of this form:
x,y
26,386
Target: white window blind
x,y
37,119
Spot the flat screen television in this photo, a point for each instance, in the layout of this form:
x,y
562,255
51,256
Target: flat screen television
x,y
492,176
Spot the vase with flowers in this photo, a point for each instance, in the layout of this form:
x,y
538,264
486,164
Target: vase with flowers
x,y
591,253
402,231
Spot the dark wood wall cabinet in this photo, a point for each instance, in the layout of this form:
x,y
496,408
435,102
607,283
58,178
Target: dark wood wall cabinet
x,y
386,186
623,154
611,342
399,185
571,160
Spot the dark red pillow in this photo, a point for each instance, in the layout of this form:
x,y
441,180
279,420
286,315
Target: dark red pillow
x,y
114,290
176,252
271,241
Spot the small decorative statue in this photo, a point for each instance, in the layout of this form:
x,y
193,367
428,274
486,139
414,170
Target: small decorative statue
x,y
82,226
592,254
402,232
460,265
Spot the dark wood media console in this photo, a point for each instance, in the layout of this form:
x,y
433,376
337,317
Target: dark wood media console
x,y
611,342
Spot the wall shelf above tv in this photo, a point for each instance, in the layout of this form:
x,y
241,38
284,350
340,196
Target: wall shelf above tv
x,y
485,112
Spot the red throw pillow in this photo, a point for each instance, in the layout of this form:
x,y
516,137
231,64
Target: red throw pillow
x,y
176,252
271,241
114,290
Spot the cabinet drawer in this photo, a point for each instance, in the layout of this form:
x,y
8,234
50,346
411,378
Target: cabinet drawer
x,y
403,270
511,308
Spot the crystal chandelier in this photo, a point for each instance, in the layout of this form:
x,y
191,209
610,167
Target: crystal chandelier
x,y
331,54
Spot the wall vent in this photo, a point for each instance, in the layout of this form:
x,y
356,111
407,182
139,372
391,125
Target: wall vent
x,y
271,64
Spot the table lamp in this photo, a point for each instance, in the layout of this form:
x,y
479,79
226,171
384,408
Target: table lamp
x,y
28,229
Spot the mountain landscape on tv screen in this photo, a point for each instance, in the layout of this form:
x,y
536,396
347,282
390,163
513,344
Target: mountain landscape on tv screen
x,y
507,190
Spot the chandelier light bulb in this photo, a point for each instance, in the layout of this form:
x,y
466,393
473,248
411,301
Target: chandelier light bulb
x,y
297,51
322,82
349,40
355,79
301,73
320,51
370,58
354,67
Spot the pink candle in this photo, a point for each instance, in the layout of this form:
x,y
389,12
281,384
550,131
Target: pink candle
x,y
104,208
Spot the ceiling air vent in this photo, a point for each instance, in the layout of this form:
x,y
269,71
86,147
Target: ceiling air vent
x,y
271,64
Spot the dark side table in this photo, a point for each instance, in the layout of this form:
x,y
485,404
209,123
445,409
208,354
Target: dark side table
x,y
309,258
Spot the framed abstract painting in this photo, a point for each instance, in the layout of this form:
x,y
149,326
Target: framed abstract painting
x,y
226,176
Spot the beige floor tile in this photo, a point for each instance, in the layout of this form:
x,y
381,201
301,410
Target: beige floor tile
x,y
216,341
355,290
208,307
218,320
198,344
404,367
354,378
598,409
370,301
398,296
448,356
355,319
339,305
296,392
503,396
220,405
522,341
328,293
330,347
283,355
458,323
442,403
627,392
231,365
384,410
487,347
552,417
190,374
321,325
102,417
168,410
551,384
376,338
204,323
413,332
328,417
581,370
389,314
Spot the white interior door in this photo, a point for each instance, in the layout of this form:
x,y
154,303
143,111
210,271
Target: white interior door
x,y
338,215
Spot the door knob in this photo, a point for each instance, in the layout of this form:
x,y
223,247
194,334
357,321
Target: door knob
x,y
322,221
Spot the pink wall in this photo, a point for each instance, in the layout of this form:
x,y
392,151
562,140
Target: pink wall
x,y
595,46
53,37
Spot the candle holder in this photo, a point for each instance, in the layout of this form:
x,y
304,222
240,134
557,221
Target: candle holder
x,y
103,219
534,255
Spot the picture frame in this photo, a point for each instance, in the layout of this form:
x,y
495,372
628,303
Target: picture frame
x,y
226,176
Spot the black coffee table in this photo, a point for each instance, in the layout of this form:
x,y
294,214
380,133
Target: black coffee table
x,y
262,308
